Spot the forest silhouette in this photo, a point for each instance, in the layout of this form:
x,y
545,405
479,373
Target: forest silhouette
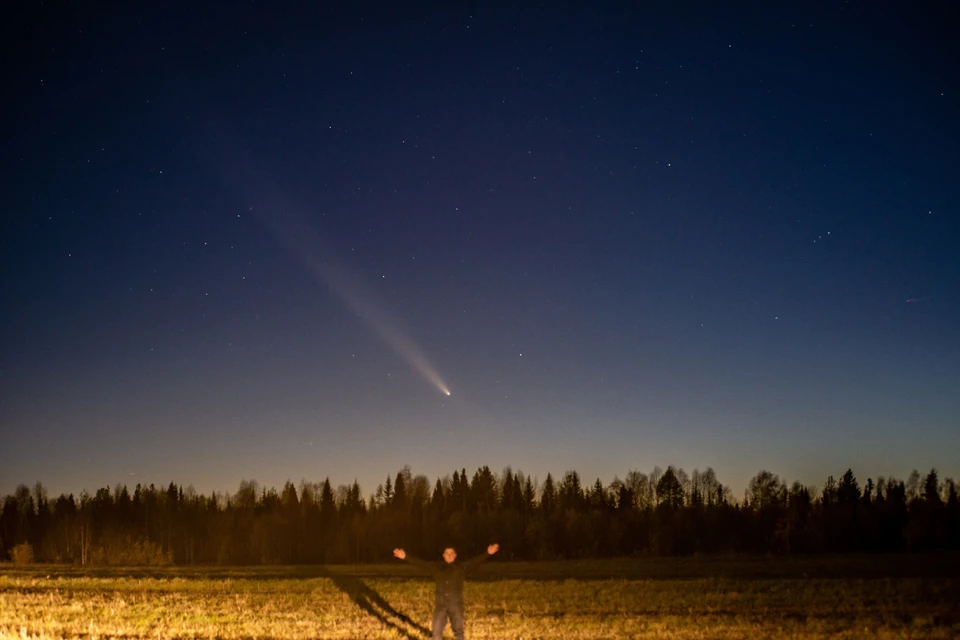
x,y
663,513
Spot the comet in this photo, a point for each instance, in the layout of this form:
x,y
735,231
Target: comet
x,y
284,220
294,232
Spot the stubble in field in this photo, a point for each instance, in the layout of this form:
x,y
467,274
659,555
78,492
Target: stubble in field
x,y
534,603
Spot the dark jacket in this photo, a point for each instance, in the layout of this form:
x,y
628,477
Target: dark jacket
x,y
449,576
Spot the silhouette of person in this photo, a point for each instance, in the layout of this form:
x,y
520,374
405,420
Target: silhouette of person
x,y
449,576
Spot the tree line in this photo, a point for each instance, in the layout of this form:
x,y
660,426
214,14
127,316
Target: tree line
x,y
662,513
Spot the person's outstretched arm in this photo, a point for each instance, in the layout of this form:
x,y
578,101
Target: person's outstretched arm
x,y
476,561
400,554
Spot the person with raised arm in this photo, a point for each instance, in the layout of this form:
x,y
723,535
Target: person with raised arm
x,y
449,576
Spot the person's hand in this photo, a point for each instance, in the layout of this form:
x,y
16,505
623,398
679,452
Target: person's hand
x,y
399,554
492,549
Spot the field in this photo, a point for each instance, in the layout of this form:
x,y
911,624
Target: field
x,y
819,597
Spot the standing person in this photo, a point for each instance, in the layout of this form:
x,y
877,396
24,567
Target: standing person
x,y
449,576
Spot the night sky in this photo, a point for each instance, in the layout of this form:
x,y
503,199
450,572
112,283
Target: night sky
x,y
261,241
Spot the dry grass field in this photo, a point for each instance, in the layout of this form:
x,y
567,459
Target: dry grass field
x,y
823,597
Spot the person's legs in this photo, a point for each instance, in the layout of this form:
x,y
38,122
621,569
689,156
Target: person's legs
x,y
457,619
439,621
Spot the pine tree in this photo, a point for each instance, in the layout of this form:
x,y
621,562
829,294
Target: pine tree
x,y
400,497
548,496
506,493
437,499
669,489
598,497
848,491
529,497
388,492
483,490
570,491
931,490
328,520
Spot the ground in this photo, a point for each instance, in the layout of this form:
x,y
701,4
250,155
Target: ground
x,y
820,597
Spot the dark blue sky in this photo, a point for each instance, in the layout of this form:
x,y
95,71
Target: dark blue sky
x,y
258,240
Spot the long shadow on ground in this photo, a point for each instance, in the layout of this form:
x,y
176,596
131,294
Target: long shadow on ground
x,y
373,603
